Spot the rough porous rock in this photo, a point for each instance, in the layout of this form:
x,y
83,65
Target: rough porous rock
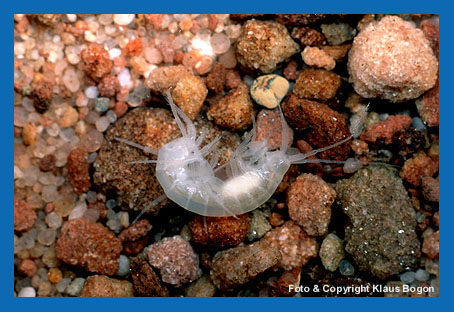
x,y
299,19
78,170
289,277
409,141
269,90
431,30
316,57
88,245
381,237
109,86
383,131
28,267
145,281
262,45
219,231
430,245
337,52
270,129
162,79
309,201
47,163
135,231
96,62
237,266
295,245
428,107
43,94
331,252
391,59
308,36
324,126
216,78
420,165
430,189
24,215
189,94
103,286
317,84
234,110
175,259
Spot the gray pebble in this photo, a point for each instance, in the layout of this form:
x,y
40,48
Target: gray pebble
x,y
346,268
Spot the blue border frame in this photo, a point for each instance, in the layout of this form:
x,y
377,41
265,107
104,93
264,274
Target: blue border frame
x,y
235,6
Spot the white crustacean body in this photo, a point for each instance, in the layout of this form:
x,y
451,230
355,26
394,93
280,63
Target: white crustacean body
x,y
248,180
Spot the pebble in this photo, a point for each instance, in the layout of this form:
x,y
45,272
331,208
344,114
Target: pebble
x,y
316,57
262,45
317,84
123,19
123,264
27,292
69,117
96,62
88,245
417,167
384,211
228,59
103,286
259,225
43,94
189,94
63,284
220,43
75,287
428,107
430,188
325,126
203,287
24,215
409,141
152,55
92,141
384,131
234,110
228,267
295,246
175,259
308,36
338,33
164,78
309,201
102,124
55,275
392,60
430,245
431,32
71,80
408,277
337,52
47,236
331,252
101,104
352,165
28,267
422,275
219,231
216,79
269,90
78,211
145,281
346,268
78,170
269,129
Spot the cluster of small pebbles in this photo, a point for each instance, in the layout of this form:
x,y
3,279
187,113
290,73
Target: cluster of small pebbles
x,y
368,216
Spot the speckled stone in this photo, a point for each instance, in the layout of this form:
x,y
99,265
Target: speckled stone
x,y
381,238
331,252
103,286
270,129
295,245
237,266
417,167
175,259
189,94
24,215
391,59
317,84
88,245
262,45
78,170
309,201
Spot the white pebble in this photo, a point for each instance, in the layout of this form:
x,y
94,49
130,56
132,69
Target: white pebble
x,y
352,165
78,211
422,275
114,53
124,263
102,124
92,92
124,77
27,292
123,19
71,17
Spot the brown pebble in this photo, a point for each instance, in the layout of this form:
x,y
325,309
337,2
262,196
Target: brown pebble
x,y
430,245
120,109
431,32
43,96
133,48
109,86
295,245
237,266
420,165
103,286
309,201
49,208
428,107
308,36
430,189
24,215
28,267
299,19
55,275
47,163
232,79
338,52
324,125
96,61
135,231
29,134
290,71
234,110
269,129
360,148
276,219
304,147
316,57
162,79
189,94
383,131
88,245
317,84
145,281
219,231
216,78
436,218
288,278
78,170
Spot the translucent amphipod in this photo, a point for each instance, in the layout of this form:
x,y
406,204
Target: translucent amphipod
x,y
248,180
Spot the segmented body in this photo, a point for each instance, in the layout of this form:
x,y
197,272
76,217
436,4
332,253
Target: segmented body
x,y
248,180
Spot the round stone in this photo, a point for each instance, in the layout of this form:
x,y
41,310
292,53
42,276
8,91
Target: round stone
x,y
408,277
124,263
220,43
346,268
269,90
123,19
27,292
